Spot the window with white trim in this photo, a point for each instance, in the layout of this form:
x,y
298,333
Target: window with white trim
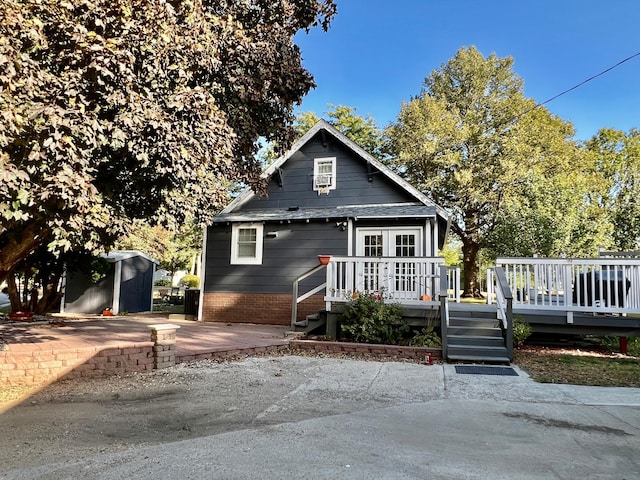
x,y
246,244
324,174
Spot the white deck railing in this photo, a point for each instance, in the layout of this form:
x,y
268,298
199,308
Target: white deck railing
x,y
453,283
406,280
601,285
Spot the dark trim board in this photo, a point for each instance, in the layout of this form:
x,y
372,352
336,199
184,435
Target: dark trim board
x,y
583,323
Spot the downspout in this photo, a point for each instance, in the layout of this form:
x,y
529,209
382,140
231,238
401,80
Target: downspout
x,y
117,279
63,287
153,274
201,274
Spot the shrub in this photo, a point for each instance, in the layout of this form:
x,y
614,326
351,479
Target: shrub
x,y
613,344
162,282
368,319
427,337
521,330
191,281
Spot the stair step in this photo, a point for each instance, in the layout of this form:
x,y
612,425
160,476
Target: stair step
x,y
476,358
487,340
473,314
475,331
475,322
476,351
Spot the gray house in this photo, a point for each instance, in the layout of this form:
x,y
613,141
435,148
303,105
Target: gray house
x,y
125,284
326,196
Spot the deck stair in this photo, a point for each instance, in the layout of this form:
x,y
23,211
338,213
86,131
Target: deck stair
x,y
475,337
312,322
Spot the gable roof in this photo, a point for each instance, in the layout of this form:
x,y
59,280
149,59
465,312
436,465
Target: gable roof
x,y
322,124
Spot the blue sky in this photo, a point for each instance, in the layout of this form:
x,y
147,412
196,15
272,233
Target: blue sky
x,y
378,52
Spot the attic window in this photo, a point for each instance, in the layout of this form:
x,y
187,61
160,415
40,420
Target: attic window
x,y
324,174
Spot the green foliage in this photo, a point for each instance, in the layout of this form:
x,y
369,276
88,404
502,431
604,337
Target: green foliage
x,y
162,282
112,110
191,281
427,337
617,164
452,254
175,250
363,131
613,344
521,330
474,144
99,269
367,318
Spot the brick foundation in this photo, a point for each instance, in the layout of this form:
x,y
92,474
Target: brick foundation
x,y
266,308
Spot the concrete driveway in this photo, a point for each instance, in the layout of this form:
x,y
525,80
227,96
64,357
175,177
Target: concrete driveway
x,y
318,418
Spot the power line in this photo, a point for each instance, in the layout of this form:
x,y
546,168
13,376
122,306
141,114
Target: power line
x,y
579,84
590,78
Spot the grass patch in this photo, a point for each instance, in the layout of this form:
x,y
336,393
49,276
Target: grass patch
x,y
476,301
579,368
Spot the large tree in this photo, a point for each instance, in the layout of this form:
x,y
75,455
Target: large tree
x,y
475,144
618,163
119,109
361,130
175,250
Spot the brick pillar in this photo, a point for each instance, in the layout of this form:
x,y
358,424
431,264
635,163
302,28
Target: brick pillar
x,y
163,337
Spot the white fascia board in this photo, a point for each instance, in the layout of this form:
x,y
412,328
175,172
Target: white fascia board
x,y
248,194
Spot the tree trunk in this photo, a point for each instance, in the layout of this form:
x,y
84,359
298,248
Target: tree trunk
x,y
471,287
14,251
14,293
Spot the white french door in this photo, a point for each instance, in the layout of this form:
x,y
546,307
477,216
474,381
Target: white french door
x,y
397,278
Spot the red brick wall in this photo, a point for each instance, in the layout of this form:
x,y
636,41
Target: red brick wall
x,y
38,367
274,309
368,350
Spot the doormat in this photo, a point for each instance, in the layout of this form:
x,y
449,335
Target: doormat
x,y
484,370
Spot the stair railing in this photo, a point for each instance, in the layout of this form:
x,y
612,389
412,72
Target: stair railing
x,y
444,308
296,298
504,301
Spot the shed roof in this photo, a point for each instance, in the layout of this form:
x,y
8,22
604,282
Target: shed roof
x,y
119,255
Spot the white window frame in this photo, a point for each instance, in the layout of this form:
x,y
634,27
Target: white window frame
x,y
235,231
316,173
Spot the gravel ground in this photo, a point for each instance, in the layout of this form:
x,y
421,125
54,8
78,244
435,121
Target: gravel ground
x,y
71,419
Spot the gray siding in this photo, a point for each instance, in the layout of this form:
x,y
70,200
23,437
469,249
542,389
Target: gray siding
x,y
294,251
136,285
352,182
81,295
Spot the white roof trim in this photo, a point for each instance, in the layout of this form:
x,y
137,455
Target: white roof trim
x,y
248,194
119,255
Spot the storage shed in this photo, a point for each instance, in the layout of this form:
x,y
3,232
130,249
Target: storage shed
x,y
123,282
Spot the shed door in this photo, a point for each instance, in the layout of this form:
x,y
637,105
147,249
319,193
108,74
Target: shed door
x,y
400,242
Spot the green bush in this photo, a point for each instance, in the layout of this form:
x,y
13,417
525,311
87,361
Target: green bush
x,y
191,281
162,282
368,319
427,337
521,330
613,344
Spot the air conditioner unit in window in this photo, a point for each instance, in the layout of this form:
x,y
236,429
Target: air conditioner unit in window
x,y
323,181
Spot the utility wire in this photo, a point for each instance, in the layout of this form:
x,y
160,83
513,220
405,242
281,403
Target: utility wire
x,y
591,78
578,85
